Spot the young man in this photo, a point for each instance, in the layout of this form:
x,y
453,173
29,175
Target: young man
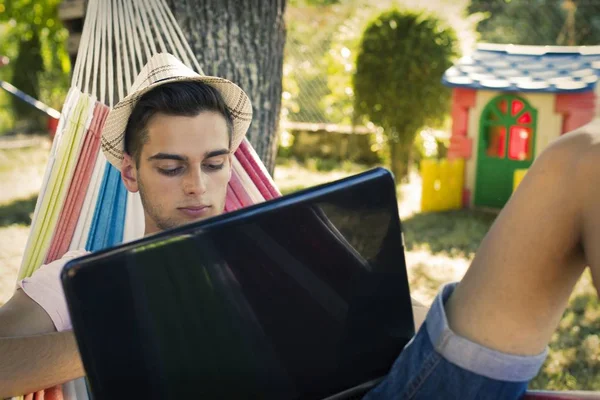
x,y
484,338
173,140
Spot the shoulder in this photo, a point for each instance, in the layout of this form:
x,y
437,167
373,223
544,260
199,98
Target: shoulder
x,y
52,269
44,291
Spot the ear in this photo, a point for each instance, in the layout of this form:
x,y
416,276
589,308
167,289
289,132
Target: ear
x,y
129,173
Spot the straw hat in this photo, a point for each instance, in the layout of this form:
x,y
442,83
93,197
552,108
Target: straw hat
x,y
163,68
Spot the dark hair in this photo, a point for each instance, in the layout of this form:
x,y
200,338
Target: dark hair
x,y
186,98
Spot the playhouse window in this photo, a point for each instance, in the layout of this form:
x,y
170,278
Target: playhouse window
x,y
509,129
525,118
496,136
503,106
519,144
517,106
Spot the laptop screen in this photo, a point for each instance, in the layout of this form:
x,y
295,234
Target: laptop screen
x,y
301,297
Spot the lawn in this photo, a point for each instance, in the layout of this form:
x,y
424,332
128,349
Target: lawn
x,y
439,247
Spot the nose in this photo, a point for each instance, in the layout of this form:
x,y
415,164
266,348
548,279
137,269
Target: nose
x,y
195,182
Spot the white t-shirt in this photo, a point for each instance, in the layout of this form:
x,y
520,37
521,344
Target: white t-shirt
x,y
44,288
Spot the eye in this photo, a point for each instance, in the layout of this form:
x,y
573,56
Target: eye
x,y
170,172
214,167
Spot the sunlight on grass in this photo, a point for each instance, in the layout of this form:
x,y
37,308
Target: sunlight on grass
x,y
21,174
453,233
428,272
291,176
22,171
12,243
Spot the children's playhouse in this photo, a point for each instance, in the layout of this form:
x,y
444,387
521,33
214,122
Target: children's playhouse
x,y
508,103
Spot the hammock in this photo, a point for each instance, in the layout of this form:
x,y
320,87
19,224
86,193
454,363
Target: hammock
x,y
83,202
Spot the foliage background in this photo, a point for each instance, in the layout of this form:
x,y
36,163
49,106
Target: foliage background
x,y
34,40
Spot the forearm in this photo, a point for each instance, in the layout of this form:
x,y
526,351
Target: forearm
x,y
32,363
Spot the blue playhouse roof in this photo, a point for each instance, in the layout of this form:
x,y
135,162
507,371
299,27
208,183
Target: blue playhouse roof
x,y
549,69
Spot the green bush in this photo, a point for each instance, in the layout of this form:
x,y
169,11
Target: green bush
x,y
397,84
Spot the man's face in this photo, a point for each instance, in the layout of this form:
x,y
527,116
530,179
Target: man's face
x,y
183,170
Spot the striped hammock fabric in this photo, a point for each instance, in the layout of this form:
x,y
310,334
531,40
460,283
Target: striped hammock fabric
x,y
83,203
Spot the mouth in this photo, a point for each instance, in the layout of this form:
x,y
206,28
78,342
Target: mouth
x,y
195,211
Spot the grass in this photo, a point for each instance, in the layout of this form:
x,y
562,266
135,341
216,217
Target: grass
x,y
22,171
17,212
573,362
456,233
439,248
21,174
291,175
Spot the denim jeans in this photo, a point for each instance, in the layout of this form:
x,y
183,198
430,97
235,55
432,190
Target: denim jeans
x,y
438,364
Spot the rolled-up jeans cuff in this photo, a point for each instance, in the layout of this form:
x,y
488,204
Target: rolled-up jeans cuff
x,y
472,356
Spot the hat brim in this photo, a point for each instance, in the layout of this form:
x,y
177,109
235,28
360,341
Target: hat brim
x,y
236,100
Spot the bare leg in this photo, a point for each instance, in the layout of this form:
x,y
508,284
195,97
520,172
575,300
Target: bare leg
x,y
516,290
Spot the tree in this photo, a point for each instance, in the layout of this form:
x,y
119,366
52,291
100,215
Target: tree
x,y
397,84
242,40
341,58
539,22
34,40
26,70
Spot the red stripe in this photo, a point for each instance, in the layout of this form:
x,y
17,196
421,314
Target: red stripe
x,y
239,190
65,214
53,393
260,176
84,169
255,176
231,201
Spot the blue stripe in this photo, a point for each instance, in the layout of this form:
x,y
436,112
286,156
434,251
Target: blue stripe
x,y
109,216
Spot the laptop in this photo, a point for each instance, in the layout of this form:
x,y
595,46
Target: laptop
x,y
301,297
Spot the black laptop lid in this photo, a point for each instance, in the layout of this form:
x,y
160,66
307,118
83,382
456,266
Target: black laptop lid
x,y
298,298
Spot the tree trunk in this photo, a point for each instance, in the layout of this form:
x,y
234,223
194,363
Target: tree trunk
x,y
242,40
399,160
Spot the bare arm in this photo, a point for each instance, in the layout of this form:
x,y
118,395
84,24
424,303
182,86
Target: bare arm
x,y
31,363
32,355
21,316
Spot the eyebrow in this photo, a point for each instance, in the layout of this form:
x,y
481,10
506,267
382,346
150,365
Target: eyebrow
x,y
177,157
167,156
216,153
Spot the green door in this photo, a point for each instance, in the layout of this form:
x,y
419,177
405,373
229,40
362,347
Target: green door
x,y
506,142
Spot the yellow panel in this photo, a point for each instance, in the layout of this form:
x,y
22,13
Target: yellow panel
x,y
443,184
518,177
